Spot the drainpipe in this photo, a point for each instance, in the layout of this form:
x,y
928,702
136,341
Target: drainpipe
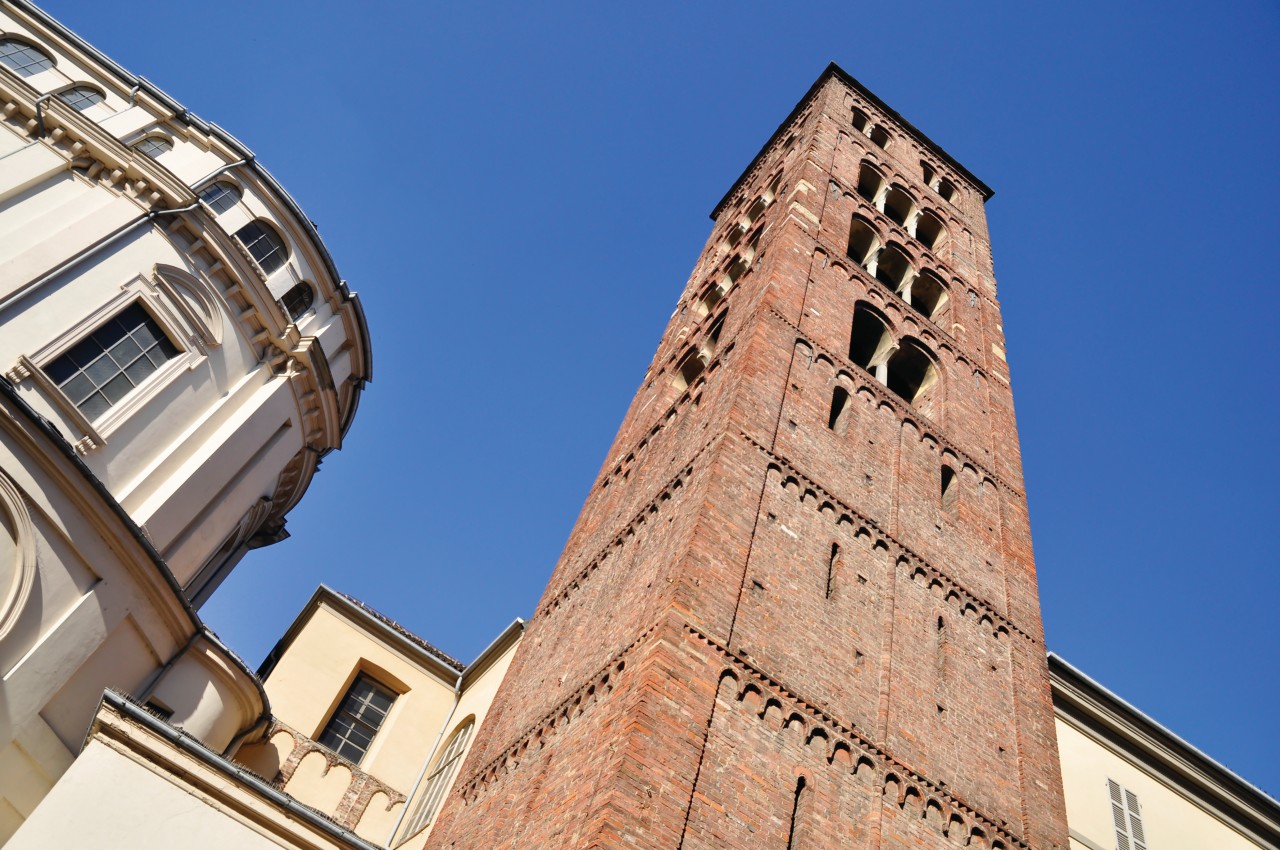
x,y
417,783
123,231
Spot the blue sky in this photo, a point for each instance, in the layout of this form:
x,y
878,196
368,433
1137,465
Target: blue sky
x,y
518,192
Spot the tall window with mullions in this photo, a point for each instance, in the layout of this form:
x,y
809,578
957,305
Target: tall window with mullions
x,y
357,719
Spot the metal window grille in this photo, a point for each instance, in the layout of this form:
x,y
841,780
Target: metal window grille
x,y
220,197
438,781
263,245
23,59
359,716
81,98
1127,817
105,367
153,146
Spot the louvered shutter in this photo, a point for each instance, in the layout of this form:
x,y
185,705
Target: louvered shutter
x,y
1127,817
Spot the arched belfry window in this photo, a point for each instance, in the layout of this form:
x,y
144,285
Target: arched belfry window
x,y
904,366
870,341
22,58
911,373
927,293
264,244
863,243
930,231
81,98
441,776
870,184
893,268
898,206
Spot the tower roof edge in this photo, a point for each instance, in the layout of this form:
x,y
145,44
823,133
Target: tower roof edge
x,y
834,70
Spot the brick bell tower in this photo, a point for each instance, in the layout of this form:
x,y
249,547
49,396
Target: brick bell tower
x,y
799,607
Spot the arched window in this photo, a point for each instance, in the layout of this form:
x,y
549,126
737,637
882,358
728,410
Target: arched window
x,y
911,373
880,136
440,778
927,293
930,231
81,98
893,269
870,183
264,245
153,146
298,300
870,340
899,206
220,196
863,242
860,120
946,189
22,58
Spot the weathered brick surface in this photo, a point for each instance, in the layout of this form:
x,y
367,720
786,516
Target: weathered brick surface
x,y
765,631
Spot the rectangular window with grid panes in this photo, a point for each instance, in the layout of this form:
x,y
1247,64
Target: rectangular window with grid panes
x,y
357,719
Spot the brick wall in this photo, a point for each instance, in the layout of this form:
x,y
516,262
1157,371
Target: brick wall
x,y
768,632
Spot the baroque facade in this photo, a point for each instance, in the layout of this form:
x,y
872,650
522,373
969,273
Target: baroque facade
x,y
798,609
178,353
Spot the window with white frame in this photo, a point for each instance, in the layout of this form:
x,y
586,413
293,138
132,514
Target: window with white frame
x,y
81,98
438,781
264,244
357,718
220,197
153,146
115,358
23,59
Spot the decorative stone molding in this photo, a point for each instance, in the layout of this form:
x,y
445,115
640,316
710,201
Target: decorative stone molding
x,y
17,555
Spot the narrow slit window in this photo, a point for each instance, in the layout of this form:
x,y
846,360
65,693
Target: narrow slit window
x,y
832,563
836,420
792,831
949,488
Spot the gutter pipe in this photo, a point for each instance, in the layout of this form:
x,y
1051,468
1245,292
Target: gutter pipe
x,y
189,745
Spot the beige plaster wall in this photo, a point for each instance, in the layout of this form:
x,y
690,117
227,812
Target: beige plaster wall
x,y
324,658
1171,820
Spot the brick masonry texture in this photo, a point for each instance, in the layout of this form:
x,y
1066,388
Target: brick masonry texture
x,y
768,627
